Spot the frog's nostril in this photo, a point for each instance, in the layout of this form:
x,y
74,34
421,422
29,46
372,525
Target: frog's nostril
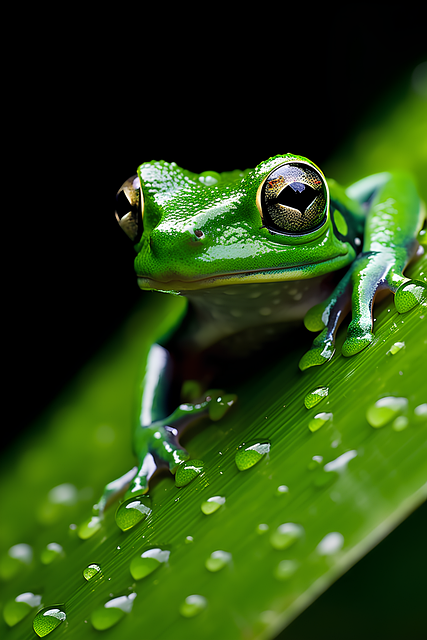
x,y
199,233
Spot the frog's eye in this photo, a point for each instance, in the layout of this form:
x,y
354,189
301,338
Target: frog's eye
x,y
293,199
130,207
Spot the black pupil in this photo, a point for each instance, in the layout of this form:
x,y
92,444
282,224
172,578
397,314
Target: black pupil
x,y
123,206
297,195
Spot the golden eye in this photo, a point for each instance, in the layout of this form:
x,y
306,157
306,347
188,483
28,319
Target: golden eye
x,y
293,199
130,208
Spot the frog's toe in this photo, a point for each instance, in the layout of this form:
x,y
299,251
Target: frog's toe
x,y
359,336
322,350
314,319
409,294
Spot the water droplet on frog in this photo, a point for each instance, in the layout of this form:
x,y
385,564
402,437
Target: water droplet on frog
x,y
384,410
217,560
91,571
395,348
15,610
330,544
132,511
48,619
89,527
314,397
286,535
285,569
51,552
212,504
112,611
187,471
192,606
141,566
247,456
319,420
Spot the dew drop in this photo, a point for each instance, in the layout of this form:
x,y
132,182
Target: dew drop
x,y
384,410
212,504
91,571
132,511
217,560
421,410
189,539
48,619
330,544
141,566
282,490
262,528
400,423
395,348
112,611
15,560
89,527
52,552
340,463
247,457
192,606
285,569
315,462
314,397
187,471
319,420
286,535
15,610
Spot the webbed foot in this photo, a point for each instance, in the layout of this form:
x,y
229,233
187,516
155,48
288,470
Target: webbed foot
x,y
369,273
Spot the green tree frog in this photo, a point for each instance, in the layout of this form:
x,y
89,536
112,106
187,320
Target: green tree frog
x,y
254,251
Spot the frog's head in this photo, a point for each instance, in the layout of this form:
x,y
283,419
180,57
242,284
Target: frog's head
x,y
196,231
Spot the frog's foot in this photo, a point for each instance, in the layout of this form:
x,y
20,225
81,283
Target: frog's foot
x,y
369,274
326,317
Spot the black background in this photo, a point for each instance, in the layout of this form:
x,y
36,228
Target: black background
x,y
89,97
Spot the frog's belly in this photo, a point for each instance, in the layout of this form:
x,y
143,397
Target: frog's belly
x,y
229,310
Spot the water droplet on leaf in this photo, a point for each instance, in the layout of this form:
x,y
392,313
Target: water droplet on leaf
x,y
15,610
319,420
132,511
89,527
384,410
149,561
314,397
112,611
395,348
48,619
52,552
91,571
286,535
285,569
217,560
212,504
330,544
400,423
192,606
247,457
187,471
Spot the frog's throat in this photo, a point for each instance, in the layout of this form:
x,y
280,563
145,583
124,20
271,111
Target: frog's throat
x,y
296,272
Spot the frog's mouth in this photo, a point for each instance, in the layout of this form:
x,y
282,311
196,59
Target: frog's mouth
x,y
296,272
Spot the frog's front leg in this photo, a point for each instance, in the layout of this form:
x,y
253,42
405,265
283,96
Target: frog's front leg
x,y
156,437
393,222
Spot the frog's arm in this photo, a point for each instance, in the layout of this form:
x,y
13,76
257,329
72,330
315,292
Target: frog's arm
x,y
155,440
394,217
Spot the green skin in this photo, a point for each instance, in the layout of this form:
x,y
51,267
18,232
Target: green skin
x,y
205,237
